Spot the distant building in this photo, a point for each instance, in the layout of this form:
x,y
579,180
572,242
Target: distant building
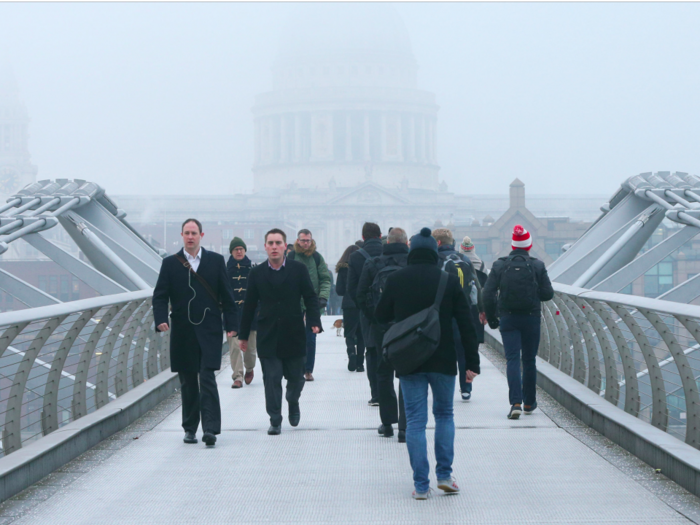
x,y
16,169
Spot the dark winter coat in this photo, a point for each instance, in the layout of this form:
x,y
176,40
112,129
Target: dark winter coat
x,y
392,254
341,287
281,328
491,295
412,289
238,273
187,340
357,262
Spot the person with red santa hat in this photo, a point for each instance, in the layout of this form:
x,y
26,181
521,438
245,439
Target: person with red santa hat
x,y
512,295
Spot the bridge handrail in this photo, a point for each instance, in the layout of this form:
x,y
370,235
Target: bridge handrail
x,y
61,362
54,310
640,354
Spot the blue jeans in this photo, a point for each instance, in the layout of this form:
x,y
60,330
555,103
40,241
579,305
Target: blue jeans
x,y
310,349
415,398
521,333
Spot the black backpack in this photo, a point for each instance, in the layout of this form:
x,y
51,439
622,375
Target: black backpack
x,y
388,267
518,289
465,275
411,342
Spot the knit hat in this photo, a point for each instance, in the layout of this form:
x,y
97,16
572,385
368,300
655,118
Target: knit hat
x,y
423,240
521,238
467,245
235,243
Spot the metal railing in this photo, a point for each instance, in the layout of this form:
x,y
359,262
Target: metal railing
x,y
640,354
58,363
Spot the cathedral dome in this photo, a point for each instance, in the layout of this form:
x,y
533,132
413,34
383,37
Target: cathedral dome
x,y
345,44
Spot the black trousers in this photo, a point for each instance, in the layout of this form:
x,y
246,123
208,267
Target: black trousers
x,y
274,369
200,396
353,334
390,411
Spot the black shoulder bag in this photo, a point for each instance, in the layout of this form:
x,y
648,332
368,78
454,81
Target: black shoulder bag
x,y
411,342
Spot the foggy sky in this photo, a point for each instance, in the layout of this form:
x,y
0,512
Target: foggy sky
x,y
156,98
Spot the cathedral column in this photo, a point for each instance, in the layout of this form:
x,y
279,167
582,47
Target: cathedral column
x,y
366,137
411,138
383,137
297,137
256,126
284,139
348,136
420,142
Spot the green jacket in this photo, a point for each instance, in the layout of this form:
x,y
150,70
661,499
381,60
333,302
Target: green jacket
x,y
320,276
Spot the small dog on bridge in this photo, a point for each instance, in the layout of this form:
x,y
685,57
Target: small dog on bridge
x,y
339,325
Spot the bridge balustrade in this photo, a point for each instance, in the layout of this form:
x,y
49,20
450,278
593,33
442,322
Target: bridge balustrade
x,y
640,354
61,362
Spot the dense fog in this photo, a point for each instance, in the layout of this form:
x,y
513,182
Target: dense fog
x,y
157,98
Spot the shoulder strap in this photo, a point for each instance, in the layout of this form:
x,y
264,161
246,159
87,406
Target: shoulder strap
x,y
292,256
201,280
317,259
364,253
441,290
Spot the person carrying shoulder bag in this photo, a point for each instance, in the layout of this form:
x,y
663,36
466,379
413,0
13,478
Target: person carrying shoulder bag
x,y
408,292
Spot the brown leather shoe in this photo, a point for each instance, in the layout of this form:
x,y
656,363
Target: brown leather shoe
x,y
308,376
249,377
237,384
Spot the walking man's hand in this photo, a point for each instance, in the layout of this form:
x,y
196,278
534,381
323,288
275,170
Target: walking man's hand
x,y
470,376
243,345
231,333
316,329
482,317
163,327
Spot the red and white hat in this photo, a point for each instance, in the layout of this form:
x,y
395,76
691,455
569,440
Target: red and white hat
x,y
521,238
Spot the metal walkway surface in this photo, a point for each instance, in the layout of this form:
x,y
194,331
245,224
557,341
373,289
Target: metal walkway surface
x,y
334,468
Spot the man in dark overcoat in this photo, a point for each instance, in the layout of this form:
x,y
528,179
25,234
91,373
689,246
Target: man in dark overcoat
x,y
197,328
277,286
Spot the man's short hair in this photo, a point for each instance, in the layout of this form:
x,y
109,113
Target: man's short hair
x,y
199,224
371,230
304,231
276,230
444,236
397,235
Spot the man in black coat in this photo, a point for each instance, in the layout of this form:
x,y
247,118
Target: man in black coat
x,y
278,285
407,292
197,338
372,247
394,255
512,298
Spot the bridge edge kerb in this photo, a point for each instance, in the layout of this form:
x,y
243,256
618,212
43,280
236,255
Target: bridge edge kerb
x,y
30,464
677,460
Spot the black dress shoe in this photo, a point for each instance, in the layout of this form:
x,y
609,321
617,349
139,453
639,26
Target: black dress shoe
x,y
402,436
352,362
360,368
380,430
190,437
294,415
388,431
274,431
209,439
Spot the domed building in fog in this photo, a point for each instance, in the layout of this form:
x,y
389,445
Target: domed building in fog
x,y
345,108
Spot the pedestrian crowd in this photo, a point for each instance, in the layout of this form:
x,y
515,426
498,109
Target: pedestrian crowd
x,y
412,308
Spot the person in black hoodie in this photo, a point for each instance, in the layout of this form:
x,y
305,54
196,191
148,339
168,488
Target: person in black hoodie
x,y
372,247
394,256
512,297
351,314
407,292
237,268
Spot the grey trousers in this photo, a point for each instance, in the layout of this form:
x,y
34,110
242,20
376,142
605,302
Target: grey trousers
x,y
274,369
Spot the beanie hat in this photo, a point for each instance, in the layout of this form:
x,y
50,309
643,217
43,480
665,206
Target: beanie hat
x,y
521,238
467,245
423,240
235,243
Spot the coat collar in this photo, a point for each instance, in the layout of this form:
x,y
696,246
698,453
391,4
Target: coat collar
x,y
204,257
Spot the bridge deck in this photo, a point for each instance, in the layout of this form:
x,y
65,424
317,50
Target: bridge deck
x,y
334,468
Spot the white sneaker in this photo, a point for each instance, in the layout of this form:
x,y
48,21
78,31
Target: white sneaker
x,y
422,495
449,486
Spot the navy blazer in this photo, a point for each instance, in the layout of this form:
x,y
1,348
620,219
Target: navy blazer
x,y
197,327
